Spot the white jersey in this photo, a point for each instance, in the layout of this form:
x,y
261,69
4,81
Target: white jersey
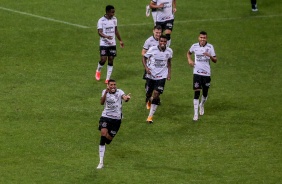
x,y
157,62
165,13
113,104
151,41
202,62
108,26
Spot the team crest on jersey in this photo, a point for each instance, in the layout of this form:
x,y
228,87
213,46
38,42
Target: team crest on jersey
x,y
104,124
167,55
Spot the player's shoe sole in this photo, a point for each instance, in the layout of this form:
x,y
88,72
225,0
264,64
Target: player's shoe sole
x,y
98,75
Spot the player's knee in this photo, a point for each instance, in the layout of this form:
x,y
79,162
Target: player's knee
x,y
110,63
102,62
197,94
103,140
205,92
167,37
156,101
108,141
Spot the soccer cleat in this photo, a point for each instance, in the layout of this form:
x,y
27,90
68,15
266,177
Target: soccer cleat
x,y
148,105
150,119
195,118
106,81
100,166
254,8
98,75
202,109
147,10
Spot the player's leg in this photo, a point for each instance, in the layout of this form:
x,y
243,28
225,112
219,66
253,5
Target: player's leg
x,y
112,54
149,91
158,90
101,63
197,92
254,5
168,31
103,127
206,85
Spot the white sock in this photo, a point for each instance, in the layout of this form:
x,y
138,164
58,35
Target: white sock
x,y
109,71
102,149
196,106
153,109
99,67
168,43
203,100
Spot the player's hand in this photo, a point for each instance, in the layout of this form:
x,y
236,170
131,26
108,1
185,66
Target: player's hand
x,y
127,97
121,44
191,63
173,10
161,5
148,70
109,37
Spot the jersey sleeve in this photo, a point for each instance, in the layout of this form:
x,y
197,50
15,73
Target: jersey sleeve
x,y
212,52
148,54
103,93
99,24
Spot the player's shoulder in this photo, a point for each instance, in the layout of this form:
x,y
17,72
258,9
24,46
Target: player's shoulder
x,y
209,45
120,91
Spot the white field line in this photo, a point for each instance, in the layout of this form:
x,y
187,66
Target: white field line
x,y
206,20
139,24
45,18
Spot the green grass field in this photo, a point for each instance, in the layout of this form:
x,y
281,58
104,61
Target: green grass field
x,y
49,106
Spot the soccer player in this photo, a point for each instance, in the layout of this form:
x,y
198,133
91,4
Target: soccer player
x,y
107,30
165,15
154,13
157,63
203,53
110,120
151,41
254,5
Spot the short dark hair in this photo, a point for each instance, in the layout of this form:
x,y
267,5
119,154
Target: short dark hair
x,y
109,7
163,36
203,33
111,80
157,27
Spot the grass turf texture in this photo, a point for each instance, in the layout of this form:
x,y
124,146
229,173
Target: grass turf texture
x,y
50,100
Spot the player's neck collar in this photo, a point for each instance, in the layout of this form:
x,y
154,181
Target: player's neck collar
x,y
162,50
203,45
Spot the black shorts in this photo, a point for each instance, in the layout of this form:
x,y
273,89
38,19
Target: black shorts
x,y
111,124
108,51
166,25
200,81
157,85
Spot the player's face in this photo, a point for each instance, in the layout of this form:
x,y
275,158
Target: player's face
x,y
202,39
111,13
157,33
112,87
162,43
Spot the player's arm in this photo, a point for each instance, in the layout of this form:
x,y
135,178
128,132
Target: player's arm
x,y
154,5
143,52
169,69
119,37
101,34
190,60
126,98
103,98
174,6
213,58
144,62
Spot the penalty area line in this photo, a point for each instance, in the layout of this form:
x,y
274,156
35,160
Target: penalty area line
x,y
44,18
